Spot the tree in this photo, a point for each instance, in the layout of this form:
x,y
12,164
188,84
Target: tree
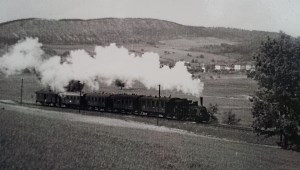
x,y
119,83
230,118
277,102
213,110
74,86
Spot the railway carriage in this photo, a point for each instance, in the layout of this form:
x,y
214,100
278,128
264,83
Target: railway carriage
x,y
98,101
125,103
153,105
71,99
47,97
177,108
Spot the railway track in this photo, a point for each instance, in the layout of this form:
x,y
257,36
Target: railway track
x,y
95,113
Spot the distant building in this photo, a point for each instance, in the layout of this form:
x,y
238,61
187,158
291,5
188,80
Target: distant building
x,y
203,68
237,67
227,68
252,68
222,67
217,67
248,67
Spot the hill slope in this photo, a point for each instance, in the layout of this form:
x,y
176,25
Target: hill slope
x,y
107,30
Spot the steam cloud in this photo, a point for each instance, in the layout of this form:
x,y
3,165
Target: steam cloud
x,y
108,63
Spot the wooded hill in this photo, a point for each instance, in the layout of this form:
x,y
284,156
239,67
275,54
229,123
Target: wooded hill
x,y
107,30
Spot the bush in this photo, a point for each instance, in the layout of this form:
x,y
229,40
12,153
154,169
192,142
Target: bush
x,y
213,111
119,83
230,118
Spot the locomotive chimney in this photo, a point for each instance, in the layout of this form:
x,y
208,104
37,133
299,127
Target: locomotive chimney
x,y
158,91
201,101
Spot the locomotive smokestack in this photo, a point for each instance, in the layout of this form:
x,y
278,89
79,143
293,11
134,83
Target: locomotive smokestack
x,y
159,91
201,101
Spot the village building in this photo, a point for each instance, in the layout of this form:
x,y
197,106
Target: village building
x,y
203,68
227,68
217,67
237,67
248,67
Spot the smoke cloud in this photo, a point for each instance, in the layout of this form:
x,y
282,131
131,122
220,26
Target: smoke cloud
x,y
108,64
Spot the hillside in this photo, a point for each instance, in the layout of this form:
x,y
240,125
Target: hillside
x,y
107,30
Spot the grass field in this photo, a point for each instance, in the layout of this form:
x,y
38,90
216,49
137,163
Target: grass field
x,y
42,139
169,50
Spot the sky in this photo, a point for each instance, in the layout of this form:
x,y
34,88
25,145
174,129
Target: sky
x,y
267,15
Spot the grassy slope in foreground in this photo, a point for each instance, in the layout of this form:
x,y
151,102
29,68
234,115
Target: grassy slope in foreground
x,y
35,142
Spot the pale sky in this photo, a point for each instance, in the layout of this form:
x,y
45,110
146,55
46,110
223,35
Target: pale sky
x,y
268,15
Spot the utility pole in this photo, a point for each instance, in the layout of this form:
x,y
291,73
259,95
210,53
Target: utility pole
x,y
21,91
158,104
79,96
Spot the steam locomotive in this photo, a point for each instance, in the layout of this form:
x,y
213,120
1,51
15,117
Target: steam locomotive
x,y
167,107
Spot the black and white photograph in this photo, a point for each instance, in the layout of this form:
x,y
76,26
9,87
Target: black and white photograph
x,y
150,84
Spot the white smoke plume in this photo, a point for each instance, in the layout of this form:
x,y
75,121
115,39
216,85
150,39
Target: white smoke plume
x,y
108,63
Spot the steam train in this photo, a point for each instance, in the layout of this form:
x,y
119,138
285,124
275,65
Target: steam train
x,y
167,107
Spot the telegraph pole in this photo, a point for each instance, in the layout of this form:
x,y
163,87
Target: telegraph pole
x,y
21,91
158,104
79,96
